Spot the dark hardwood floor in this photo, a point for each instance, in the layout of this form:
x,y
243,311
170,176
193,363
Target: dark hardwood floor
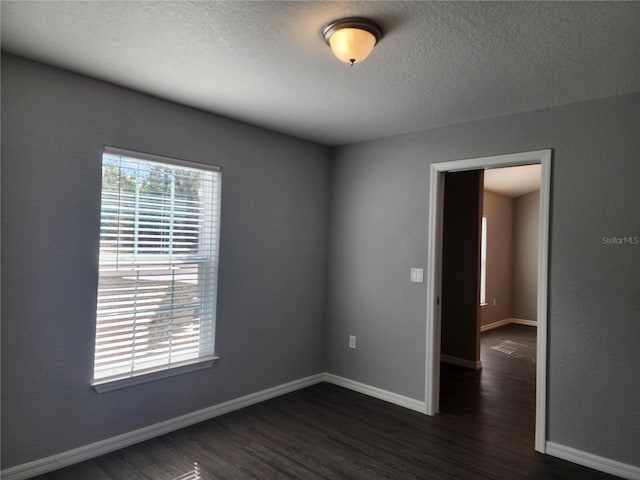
x,y
485,431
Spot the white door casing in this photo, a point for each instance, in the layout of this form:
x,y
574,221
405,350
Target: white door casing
x,y
434,274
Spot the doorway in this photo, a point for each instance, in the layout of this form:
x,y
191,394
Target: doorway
x,y
434,275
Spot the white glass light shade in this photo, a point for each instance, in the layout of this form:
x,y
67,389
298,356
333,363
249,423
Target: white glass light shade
x,y
352,45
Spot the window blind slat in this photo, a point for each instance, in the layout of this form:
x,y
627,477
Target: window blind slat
x,y
159,238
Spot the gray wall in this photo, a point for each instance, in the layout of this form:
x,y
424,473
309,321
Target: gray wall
x,y
271,306
377,233
273,259
499,212
378,230
526,214
460,332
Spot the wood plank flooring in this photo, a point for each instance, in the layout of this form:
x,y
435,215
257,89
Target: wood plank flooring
x,y
485,431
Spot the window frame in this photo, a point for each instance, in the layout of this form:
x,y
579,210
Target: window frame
x,y
202,361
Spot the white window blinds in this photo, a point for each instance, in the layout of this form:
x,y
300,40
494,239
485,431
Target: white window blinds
x,y
159,236
483,262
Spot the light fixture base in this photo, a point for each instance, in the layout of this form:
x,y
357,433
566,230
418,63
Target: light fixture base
x,y
351,22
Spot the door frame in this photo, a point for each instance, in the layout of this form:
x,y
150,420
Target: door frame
x,y
434,275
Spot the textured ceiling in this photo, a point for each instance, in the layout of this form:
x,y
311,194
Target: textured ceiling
x,y
439,63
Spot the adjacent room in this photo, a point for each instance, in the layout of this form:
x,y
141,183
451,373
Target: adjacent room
x,y
287,239
488,364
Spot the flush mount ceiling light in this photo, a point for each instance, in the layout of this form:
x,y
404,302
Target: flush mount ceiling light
x,y
352,39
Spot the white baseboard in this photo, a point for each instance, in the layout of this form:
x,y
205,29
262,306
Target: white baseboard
x,y
522,321
80,454
387,396
507,321
60,460
596,462
491,326
461,362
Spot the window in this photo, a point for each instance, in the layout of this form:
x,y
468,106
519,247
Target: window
x,y
483,263
158,267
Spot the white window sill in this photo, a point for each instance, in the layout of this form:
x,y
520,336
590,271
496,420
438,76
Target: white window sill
x,y
109,384
484,304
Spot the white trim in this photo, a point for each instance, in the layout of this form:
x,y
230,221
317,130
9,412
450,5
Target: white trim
x,y
86,452
508,321
492,325
596,462
375,392
64,459
434,279
541,324
434,268
461,362
107,385
121,152
522,321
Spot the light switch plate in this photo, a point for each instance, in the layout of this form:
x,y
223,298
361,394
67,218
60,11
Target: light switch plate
x,y
417,275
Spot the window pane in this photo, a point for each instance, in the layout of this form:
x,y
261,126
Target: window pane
x,y
158,266
483,263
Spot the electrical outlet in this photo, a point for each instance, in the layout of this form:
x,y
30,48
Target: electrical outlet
x,y
352,341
